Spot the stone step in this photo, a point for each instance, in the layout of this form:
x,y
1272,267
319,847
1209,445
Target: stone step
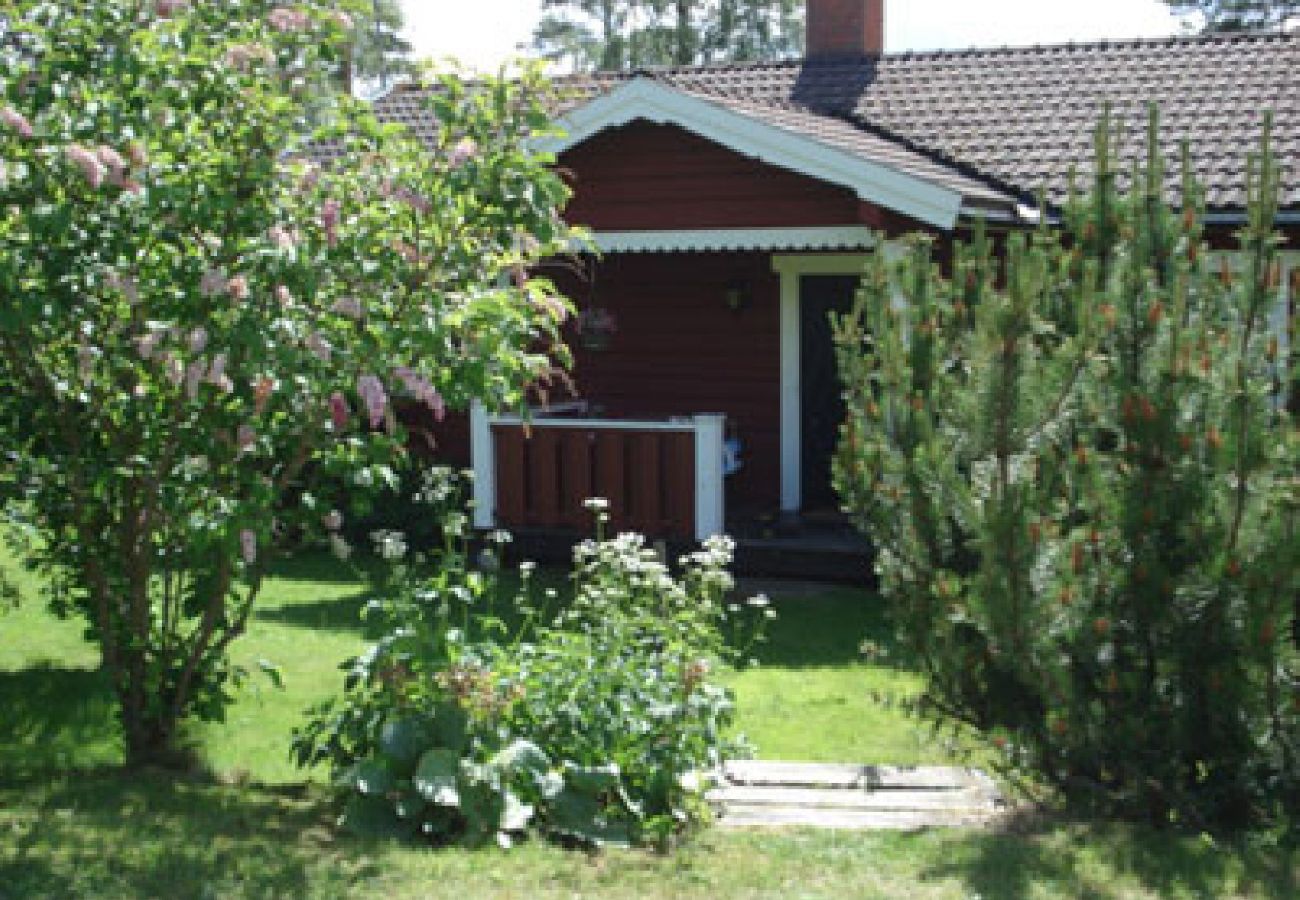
x,y
753,793
850,820
852,799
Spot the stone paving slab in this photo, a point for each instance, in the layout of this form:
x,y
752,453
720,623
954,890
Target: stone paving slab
x,y
754,793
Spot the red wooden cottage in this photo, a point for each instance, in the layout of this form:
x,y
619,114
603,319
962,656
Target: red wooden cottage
x,y
734,206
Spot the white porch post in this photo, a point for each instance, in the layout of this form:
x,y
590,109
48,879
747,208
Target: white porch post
x,y
483,459
710,512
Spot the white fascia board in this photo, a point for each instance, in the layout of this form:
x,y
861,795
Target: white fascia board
x,y
873,182
706,240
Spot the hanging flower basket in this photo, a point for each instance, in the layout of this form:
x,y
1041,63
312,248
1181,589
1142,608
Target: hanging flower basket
x,y
596,327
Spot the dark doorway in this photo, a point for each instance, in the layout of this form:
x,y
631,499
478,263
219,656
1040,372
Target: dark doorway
x,y
820,389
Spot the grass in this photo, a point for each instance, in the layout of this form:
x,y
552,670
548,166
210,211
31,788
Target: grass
x,y
70,825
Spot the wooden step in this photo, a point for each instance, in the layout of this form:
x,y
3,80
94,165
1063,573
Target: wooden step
x,y
752,793
850,820
831,798
840,775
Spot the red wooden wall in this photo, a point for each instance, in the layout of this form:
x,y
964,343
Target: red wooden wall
x,y
679,351
645,176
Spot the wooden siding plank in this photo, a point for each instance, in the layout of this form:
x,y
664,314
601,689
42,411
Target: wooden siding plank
x,y
644,504
576,477
679,485
544,478
611,472
509,441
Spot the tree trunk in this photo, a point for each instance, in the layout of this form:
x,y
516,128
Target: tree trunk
x,y
683,53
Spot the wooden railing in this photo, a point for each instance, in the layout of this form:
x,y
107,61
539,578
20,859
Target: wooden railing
x,y
662,478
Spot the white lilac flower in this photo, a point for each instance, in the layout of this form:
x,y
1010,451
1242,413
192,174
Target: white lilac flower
x,y
248,546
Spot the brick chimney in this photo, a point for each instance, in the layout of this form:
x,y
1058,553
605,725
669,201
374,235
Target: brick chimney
x,y
840,29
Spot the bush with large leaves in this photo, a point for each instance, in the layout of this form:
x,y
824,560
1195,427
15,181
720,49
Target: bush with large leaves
x,y
197,325
598,722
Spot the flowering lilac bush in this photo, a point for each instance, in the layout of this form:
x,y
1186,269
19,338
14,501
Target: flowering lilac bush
x,y
203,332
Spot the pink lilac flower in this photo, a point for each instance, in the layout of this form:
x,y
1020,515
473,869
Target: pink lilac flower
x,y
285,19
348,306
173,368
342,20
329,220
198,339
284,295
464,150
338,411
310,177
212,283
333,520
281,237
237,287
217,376
417,202
248,546
319,347
240,57
246,437
85,160
147,343
421,390
123,283
111,158
194,373
371,391
86,361
17,121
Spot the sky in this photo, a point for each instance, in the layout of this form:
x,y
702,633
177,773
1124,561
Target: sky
x,y
484,33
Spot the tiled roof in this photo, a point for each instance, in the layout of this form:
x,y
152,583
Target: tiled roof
x,y
1018,119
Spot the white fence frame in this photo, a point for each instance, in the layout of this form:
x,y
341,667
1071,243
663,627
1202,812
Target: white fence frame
x,y
710,504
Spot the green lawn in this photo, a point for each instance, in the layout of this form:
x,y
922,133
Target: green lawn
x,y
70,826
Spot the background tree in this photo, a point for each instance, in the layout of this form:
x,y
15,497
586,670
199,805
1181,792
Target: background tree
x,y
1085,497
1238,15
614,35
379,55
201,331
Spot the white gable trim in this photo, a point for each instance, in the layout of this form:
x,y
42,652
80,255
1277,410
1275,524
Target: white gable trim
x,y
707,240
645,98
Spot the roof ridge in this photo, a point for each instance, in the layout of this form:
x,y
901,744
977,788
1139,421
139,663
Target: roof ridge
x,y
1255,36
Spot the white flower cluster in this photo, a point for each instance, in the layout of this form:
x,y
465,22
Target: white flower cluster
x,y
390,545
437,486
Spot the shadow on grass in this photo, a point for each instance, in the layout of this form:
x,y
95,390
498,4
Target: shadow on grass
x,y
329,614
150,834
1081,859
828,627
54,717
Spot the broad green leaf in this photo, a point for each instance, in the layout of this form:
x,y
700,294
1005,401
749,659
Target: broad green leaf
x,y
436,776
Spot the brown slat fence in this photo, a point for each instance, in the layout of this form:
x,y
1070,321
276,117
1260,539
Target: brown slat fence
x,y
544,473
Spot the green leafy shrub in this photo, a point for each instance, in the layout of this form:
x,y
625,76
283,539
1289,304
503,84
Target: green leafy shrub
x,y
489,708
1074,462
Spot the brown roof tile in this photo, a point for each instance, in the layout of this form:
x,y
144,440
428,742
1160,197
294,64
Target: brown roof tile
x,y
1017,120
